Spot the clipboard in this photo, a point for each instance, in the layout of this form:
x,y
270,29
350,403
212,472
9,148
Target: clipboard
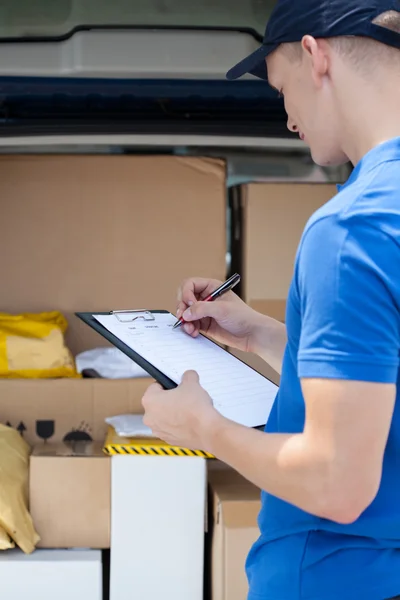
x,y
129,316
262,397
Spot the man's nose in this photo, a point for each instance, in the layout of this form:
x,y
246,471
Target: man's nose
x,y
291,125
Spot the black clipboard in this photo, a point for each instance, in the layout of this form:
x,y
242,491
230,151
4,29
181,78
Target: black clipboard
x,y
87,317
159,376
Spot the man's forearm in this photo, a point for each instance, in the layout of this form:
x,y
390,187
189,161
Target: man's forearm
x,y
285,466
269,341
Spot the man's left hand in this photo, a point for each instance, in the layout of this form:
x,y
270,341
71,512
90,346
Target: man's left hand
x,y
184,416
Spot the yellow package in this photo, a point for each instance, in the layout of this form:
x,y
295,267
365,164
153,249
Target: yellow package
x,y
5,542
32,346
15,520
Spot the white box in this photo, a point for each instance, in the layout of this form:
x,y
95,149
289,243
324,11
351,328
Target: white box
x,y
49,574
157,527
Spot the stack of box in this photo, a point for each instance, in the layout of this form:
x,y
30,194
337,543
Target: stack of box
x,y
99,233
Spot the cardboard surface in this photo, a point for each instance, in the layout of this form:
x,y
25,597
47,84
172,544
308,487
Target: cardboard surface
x,y
274,219
272,308
69,495
50,574
64,409
157,519
98,233
235,507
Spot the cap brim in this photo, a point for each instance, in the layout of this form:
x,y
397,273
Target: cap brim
x,y
254,64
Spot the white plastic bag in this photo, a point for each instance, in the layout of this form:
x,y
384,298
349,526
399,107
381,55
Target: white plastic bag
x,y
130,426
109,363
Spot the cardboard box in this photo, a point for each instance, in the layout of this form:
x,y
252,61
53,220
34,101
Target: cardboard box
x,y
96,233
68,409
274,217
87,233
272,308
69,495
235,506
49,574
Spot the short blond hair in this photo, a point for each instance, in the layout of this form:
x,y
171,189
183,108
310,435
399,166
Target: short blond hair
x,y
360,51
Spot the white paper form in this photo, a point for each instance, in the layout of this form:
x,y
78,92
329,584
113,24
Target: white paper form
x,y
238,392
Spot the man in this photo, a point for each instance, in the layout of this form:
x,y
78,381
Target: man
x,y
329,461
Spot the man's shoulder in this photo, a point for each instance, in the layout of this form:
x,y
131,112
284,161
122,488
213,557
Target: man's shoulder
x,y
370,201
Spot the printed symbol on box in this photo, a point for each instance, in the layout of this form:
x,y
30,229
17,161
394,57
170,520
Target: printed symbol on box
x,y
81,434
45,429
21,428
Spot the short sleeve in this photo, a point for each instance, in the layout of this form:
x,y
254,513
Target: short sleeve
x,y
349,287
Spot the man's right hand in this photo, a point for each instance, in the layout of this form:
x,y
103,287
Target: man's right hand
x,y
228,320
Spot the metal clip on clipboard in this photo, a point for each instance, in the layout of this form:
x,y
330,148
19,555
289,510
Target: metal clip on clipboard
x,y
144,314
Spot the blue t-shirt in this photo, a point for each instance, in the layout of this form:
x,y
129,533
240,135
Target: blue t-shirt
x,y
343,322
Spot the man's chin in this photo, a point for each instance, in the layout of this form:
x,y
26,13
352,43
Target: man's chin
x,y
328,159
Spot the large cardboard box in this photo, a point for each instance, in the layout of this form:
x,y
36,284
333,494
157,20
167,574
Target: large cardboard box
x,y
70,495
274,217
107,232
98,233
68,409
49,574
235,506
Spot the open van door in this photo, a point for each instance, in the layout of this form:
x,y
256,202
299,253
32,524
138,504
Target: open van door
x,y
134,67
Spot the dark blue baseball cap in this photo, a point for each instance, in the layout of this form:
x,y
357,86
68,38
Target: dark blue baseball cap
x,y
291,20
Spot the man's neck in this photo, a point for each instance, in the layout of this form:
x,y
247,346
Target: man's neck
x,y
371,116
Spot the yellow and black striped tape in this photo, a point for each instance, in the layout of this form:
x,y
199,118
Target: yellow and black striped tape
x,y
113,449
146,447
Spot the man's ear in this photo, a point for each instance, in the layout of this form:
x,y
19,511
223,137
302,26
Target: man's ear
x,y
317,52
